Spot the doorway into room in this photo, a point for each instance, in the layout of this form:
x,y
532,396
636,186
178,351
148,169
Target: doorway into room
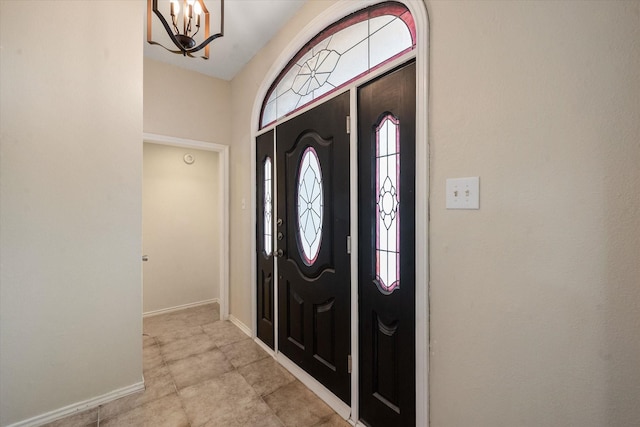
x,y
185,240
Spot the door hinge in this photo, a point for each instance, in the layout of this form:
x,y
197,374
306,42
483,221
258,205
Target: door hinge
x,y
349,364
348,125
349,245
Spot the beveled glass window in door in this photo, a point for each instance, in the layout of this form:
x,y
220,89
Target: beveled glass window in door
x,y
387,204
338,55
268,208
310,206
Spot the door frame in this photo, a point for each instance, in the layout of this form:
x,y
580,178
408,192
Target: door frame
x,y
223,200
333,13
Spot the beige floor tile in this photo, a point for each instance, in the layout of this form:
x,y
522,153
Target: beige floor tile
x,y
243,352
178,333
195,369
155,372
224,332
202,315
333,421
82,419
151,358
148,341
156,386
266,375
164,412
297,406
228,401
163,323
185,347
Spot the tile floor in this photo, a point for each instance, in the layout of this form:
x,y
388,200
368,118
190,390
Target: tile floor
x,y
200,371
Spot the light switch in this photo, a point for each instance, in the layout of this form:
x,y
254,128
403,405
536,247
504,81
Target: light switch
x,y
463,193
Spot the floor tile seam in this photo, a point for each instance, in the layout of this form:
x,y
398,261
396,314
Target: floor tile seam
x,y
184,408
138,406
271,409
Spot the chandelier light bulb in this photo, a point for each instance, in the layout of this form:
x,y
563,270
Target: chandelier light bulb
x,y
175,8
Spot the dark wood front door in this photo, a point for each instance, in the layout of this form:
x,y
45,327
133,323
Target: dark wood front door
x,y
265,163
313,224
386,271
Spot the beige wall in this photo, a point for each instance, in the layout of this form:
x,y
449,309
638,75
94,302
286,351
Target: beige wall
x,y
70,180
534,298
180,211
186,104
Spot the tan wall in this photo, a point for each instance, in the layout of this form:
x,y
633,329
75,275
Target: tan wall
x,y
180,211
534,298
186,104
70,180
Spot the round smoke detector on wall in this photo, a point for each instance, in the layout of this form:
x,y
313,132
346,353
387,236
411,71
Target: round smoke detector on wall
x,y
189,159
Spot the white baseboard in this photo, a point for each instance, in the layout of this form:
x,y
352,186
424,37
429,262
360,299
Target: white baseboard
x,y
76,408
244,328
315,386
265,347
180,307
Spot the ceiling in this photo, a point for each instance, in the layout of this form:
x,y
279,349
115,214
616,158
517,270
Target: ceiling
x,y
248,26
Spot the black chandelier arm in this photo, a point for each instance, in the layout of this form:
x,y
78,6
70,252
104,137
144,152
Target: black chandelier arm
x,y
183,52
204,43
168,29
173,21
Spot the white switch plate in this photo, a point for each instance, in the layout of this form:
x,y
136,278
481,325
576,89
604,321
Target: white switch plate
x,y
463,193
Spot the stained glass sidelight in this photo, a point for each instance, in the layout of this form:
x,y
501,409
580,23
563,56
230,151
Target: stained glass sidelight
x,y
387,204
341,53
268,208
310,206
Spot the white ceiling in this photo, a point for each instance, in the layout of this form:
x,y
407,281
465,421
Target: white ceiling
x,y
248,26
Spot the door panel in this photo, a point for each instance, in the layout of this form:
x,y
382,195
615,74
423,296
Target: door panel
x,y
386,215
264,236
313,270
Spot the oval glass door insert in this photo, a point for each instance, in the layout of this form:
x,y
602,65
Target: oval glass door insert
x,y
310,206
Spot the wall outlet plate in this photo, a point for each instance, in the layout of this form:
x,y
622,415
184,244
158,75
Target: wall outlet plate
x,y
463,193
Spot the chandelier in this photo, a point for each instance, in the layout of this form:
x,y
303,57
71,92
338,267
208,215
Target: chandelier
x,y
184,24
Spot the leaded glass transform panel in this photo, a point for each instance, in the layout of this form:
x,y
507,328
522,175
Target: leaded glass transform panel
x,y
310,206
388,204
341,53
268,209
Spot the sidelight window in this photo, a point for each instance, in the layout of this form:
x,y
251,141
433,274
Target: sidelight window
x,y
310,206
338,55
387,204
268,208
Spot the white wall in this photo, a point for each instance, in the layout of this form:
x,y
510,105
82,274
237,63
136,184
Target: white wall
x,y
70,181
180,208
534,298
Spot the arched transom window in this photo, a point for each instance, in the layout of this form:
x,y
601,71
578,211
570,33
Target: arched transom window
x,y
338,55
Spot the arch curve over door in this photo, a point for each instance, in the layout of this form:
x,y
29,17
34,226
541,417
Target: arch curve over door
x,y
341,53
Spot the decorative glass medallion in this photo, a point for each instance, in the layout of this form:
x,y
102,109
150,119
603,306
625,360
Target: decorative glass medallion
x,y
341,53
388,204
310,206
268,209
